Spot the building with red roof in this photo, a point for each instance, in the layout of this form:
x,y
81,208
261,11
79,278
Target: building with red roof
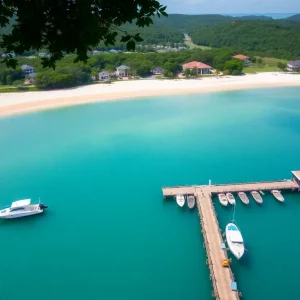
x,y
199,66
244,58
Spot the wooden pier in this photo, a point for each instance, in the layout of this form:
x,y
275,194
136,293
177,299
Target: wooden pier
x,y
222,277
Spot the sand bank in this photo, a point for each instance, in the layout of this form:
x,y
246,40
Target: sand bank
x,y
17,103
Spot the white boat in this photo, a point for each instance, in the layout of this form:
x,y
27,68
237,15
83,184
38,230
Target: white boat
x,y
191,201
230,198
180,200
257,197
243,197
223,199
235,240
277,195
22,208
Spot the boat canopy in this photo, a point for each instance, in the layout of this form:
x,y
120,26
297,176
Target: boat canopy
x,y
20,203
234,234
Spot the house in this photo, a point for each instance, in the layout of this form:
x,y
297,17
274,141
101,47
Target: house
x,y
26,69
293,65
244,58
122,71
103,76
157,71
42,54
199,66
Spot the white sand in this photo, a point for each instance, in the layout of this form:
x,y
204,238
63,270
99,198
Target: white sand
x,y
14,103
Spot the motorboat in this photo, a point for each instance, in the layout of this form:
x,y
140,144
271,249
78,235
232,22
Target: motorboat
x,y
191,201
223,199
277,195
244,198
230,198
22,208
180,200
235,240
257,197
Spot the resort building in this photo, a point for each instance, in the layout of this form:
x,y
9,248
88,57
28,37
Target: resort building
x,y
199,66
122,71
293,65
157,71
242,57
26,69
103,76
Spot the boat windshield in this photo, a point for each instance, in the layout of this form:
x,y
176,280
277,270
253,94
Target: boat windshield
x,y
17,208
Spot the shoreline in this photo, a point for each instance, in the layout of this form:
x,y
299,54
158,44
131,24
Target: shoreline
x,y
23,103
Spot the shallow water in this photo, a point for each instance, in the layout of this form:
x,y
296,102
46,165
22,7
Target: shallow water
x,y
109,234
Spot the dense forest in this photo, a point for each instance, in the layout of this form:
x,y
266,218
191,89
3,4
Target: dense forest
x,y
280,39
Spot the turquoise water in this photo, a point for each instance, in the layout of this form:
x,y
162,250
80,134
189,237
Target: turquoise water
x,y
108,234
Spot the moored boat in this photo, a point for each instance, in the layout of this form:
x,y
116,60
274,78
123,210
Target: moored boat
x,y
223,199
235,240
277,195
22,208
244,198
230,198
257,197
180,200
191,201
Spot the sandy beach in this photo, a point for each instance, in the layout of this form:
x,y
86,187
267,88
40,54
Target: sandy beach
x,y
18,103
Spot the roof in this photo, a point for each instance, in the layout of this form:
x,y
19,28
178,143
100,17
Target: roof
x,y
158,69
123,67
296,174
20,203
240,56
26,67
196,65
103,73
294,63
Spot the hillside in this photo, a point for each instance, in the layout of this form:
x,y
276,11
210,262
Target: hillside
x,y
293,18
268,38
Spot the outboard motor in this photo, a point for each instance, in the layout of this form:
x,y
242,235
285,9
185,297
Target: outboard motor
x,y
42,206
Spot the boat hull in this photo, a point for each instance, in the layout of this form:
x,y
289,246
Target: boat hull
x,y
244,198
234,240
21,215
257,197
180,200
191,202
223,200
230,198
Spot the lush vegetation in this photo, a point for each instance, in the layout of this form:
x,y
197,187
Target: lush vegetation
x,y
71,26
279,39
67,74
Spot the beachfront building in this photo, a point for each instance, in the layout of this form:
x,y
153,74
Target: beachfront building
x,y
103,76
26,69
242,57
202,69
293,65
157,71
122,71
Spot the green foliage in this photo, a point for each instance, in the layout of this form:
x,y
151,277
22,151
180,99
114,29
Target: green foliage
x,y
18,82
187,72
274,38
282,66
234,66
8,76
71,26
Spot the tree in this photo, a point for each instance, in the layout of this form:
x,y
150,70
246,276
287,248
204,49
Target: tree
x,y
259,61
68,26
187,73
282,66
171,68
194,73
234,66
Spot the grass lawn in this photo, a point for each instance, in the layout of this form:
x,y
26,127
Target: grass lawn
x,y
255,69
271,61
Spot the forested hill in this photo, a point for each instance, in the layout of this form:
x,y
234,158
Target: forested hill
x,y
279,39
294,18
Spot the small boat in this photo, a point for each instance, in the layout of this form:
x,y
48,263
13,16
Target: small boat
x,y
180,200
257,197
191,201
262,193
243,197
230,198
223,199
235,240
22,208
277,195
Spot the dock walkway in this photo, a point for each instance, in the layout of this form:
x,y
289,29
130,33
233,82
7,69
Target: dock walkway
x,y
222,277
